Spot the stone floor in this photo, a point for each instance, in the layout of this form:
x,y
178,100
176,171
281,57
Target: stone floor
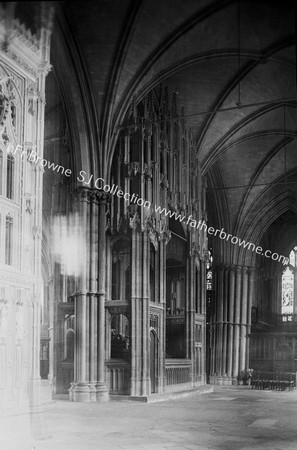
x,y
229,418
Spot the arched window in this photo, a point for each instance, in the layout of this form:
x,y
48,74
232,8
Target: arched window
x,y
10,177
120,271
69,337
115,282
70,346
209,284
287,291
127,283
152,274
288,287
8,240
209,279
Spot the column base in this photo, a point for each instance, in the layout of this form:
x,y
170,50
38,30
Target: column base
x,y
46,395
82,392
234,381
135,387
102,393
221,380
161,383
146,386
140,387
227,380
38,424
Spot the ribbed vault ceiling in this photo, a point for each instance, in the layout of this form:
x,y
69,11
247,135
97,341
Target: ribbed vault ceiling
x,y
233,66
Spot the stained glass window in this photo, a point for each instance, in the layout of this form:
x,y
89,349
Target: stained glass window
x,y
209,272
209,280
287,291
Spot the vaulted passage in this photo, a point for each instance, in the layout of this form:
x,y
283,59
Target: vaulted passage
x,y
148,197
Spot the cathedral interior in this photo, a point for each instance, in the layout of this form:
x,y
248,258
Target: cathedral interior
x,y
148,197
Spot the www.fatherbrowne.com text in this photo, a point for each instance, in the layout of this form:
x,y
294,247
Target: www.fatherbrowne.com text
x,y
188,220
222,234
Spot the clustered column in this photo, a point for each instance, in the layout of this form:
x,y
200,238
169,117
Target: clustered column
x,y
89,374
163,240
140,377
231,323
101,388
202,286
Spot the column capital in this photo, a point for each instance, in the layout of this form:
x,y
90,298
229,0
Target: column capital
x,y
164,234
245,269
96,293
149,227
153,237
229,267
238,269
85,194
80,292
251,271
134,220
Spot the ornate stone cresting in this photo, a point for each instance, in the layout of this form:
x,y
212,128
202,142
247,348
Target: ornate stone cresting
x,y
155,165
26,50
164,234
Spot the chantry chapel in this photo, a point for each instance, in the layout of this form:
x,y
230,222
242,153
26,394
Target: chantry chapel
x,y
148,192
